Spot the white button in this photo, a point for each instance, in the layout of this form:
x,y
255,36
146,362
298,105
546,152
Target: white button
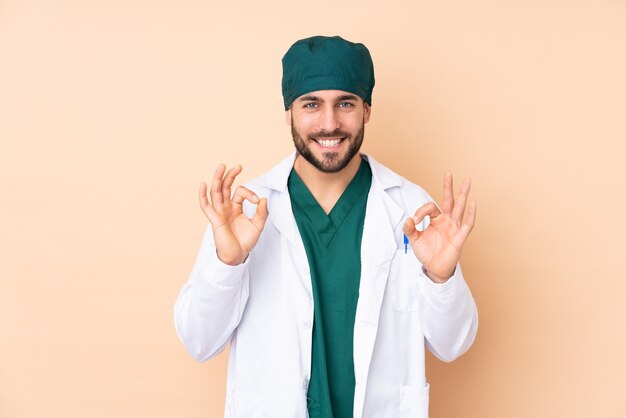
x,y
307,324
305,383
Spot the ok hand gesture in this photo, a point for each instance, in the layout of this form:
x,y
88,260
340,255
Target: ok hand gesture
x,y
439,246
235,234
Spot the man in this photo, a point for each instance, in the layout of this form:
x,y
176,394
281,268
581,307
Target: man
x,y
307,271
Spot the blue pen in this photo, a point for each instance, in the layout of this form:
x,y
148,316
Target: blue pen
x,y
406,243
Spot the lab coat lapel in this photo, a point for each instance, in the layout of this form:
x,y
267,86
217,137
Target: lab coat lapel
x,y
281,215
280,211
377,249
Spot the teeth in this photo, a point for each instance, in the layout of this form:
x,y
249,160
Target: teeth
x,y
329,142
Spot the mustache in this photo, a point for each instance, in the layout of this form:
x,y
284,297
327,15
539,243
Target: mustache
x,y
334,134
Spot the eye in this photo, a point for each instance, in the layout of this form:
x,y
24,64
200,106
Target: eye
x,y
346,104
310,105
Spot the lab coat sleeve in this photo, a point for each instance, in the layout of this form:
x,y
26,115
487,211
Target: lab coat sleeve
x,y
450,316
211,303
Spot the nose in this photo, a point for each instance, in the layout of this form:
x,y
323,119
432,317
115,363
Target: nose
x,y
329,120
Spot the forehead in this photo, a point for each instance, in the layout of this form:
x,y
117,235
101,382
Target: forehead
x,y
328,95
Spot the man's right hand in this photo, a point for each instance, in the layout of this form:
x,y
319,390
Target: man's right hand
x,y
235,234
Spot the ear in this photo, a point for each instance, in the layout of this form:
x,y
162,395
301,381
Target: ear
x,y
288,116
367,111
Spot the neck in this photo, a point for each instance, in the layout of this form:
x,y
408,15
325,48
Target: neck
x,y
326,188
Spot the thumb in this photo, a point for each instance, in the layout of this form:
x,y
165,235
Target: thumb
x,y
261,214
409,230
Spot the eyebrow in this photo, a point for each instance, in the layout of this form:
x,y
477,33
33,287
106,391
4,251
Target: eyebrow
x,y
347,97
309,97
313,98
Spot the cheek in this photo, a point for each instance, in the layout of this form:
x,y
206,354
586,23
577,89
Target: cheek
x,y
304,124
352,123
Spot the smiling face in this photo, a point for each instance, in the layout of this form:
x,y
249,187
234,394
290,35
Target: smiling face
x,y
328,127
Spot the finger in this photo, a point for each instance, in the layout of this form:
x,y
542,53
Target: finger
x,y
204,203
229,180
261,214
242,193
428,209
459,207
409,230
468,225
216,187
448,195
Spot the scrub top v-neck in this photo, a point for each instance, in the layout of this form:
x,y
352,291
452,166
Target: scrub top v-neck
x,y
333,246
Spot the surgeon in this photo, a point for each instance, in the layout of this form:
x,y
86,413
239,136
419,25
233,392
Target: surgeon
x,y
330,275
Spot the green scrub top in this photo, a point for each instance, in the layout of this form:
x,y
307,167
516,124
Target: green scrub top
x,y
333,246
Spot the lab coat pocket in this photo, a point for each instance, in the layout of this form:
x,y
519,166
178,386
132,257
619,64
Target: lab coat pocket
x,y
403,281
244,406
413,402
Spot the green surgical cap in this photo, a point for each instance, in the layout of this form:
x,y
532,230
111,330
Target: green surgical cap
x,y
327,63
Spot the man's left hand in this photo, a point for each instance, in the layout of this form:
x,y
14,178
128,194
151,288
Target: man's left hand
x,y
439,246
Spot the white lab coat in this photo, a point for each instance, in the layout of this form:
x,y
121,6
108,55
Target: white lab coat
x,y
264,308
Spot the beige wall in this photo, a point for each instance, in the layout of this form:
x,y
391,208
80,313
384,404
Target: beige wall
x,y
112,112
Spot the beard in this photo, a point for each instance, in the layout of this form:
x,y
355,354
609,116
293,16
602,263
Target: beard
x,y
331,162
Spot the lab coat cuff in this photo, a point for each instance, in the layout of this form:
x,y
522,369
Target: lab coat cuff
x,y
224,274
443,291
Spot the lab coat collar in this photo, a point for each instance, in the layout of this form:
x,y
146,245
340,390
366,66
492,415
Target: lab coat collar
x,y
281,213
277,177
